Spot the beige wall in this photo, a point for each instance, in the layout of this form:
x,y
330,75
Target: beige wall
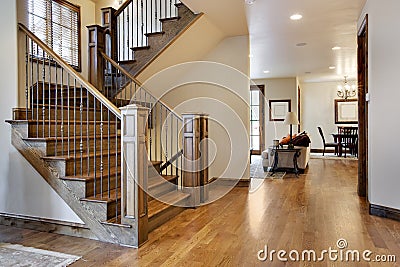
x,y
87,18
219,86
276,89
22,189
318,109
383,73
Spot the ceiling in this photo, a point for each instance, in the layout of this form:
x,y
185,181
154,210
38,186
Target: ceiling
x,y
273,36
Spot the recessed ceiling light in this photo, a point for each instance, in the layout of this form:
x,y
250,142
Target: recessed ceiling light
x,y
301,44
249,2
332,67
296,17
336,48
266,71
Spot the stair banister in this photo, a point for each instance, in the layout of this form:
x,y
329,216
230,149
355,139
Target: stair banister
x,y
98,95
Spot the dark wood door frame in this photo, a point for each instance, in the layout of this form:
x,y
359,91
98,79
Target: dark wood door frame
x,y
362,63
261,115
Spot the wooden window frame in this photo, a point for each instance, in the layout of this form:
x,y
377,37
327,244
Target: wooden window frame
x,y
73,8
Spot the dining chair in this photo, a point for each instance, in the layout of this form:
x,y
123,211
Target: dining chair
x,y
351,144
333,144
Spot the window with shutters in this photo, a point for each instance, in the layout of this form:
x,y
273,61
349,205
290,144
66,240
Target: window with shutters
x,y
57,23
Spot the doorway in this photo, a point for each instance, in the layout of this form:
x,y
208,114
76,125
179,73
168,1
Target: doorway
x,y
362,63
257,121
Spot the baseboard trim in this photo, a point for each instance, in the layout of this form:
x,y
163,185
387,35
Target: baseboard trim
x,y
384,212
243,182
46,225
319,150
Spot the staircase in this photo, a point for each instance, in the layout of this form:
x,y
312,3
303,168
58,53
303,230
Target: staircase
x,y
70,132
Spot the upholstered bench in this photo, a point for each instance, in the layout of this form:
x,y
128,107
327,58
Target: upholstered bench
x,y
286,159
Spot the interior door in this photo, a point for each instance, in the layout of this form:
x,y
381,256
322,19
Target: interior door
x,y
257,121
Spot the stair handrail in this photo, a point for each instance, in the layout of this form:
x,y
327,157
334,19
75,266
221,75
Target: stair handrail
x,y
138,83
96,93
121,8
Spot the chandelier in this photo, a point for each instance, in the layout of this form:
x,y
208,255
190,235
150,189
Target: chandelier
x,y
346,90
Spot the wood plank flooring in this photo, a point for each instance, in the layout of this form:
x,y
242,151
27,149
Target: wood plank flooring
x,y
309,212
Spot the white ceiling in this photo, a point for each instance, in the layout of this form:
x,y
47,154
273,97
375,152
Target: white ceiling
x,y
273,36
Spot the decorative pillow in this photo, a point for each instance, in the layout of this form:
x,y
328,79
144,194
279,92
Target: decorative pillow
x,y
302,140
286,140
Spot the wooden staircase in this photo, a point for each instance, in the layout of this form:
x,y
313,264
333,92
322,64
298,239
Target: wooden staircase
x,y
158,41
70,132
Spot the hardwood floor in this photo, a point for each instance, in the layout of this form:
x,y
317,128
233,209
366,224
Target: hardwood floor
x,y
309,212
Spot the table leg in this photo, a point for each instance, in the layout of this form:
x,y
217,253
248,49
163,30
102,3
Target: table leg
x,y
275,166
296,167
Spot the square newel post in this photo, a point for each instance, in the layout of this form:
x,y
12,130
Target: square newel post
x,y
195,157
109,21
134,170
95,61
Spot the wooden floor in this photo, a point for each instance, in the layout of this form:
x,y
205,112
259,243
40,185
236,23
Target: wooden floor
x,y
309,212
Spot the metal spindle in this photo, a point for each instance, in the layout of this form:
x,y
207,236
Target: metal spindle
x,y
62,112
142,24
37,91
56,109
108,154
137,23
68,116
94,147
87,132
74,126
101,151
49,108
31,88
43,96
81,126
26,77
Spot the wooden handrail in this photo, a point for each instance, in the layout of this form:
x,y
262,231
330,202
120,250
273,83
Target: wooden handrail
x,y
96,93
121,8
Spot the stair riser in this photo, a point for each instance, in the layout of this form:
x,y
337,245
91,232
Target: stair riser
x,y
108,183
62,148
81,165
64,101
104,211
53,92
38,130
63,113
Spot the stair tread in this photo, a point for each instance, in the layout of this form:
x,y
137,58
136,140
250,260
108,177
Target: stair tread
x,y
84,137
154,33
84,155
156,181
103,198
116,221
113,171
170,18
155,206
137,48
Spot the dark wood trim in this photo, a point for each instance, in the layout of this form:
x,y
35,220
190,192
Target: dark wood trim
x,y
261,88
279,100
122,7
384,212
46,225
320,150
337,101
298,108
362,63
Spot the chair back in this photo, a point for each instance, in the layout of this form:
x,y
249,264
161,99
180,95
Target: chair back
x,y
322,134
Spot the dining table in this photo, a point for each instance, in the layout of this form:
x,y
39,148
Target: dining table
x,y
342,138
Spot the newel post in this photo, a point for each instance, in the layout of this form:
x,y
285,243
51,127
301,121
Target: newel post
x,y
195,157
96,44
134,170
109,21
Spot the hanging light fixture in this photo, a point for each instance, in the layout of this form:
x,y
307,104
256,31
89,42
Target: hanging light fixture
x,y
346,90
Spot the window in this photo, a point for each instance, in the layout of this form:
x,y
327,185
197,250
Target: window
x,y
57,23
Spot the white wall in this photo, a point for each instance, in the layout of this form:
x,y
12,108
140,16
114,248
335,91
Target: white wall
x,y
383,84
22,189
278,89
318,109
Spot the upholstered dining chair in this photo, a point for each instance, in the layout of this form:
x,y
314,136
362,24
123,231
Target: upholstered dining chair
x,y
333,144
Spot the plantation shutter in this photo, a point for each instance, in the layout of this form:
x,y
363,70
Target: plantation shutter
x,y
57,23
